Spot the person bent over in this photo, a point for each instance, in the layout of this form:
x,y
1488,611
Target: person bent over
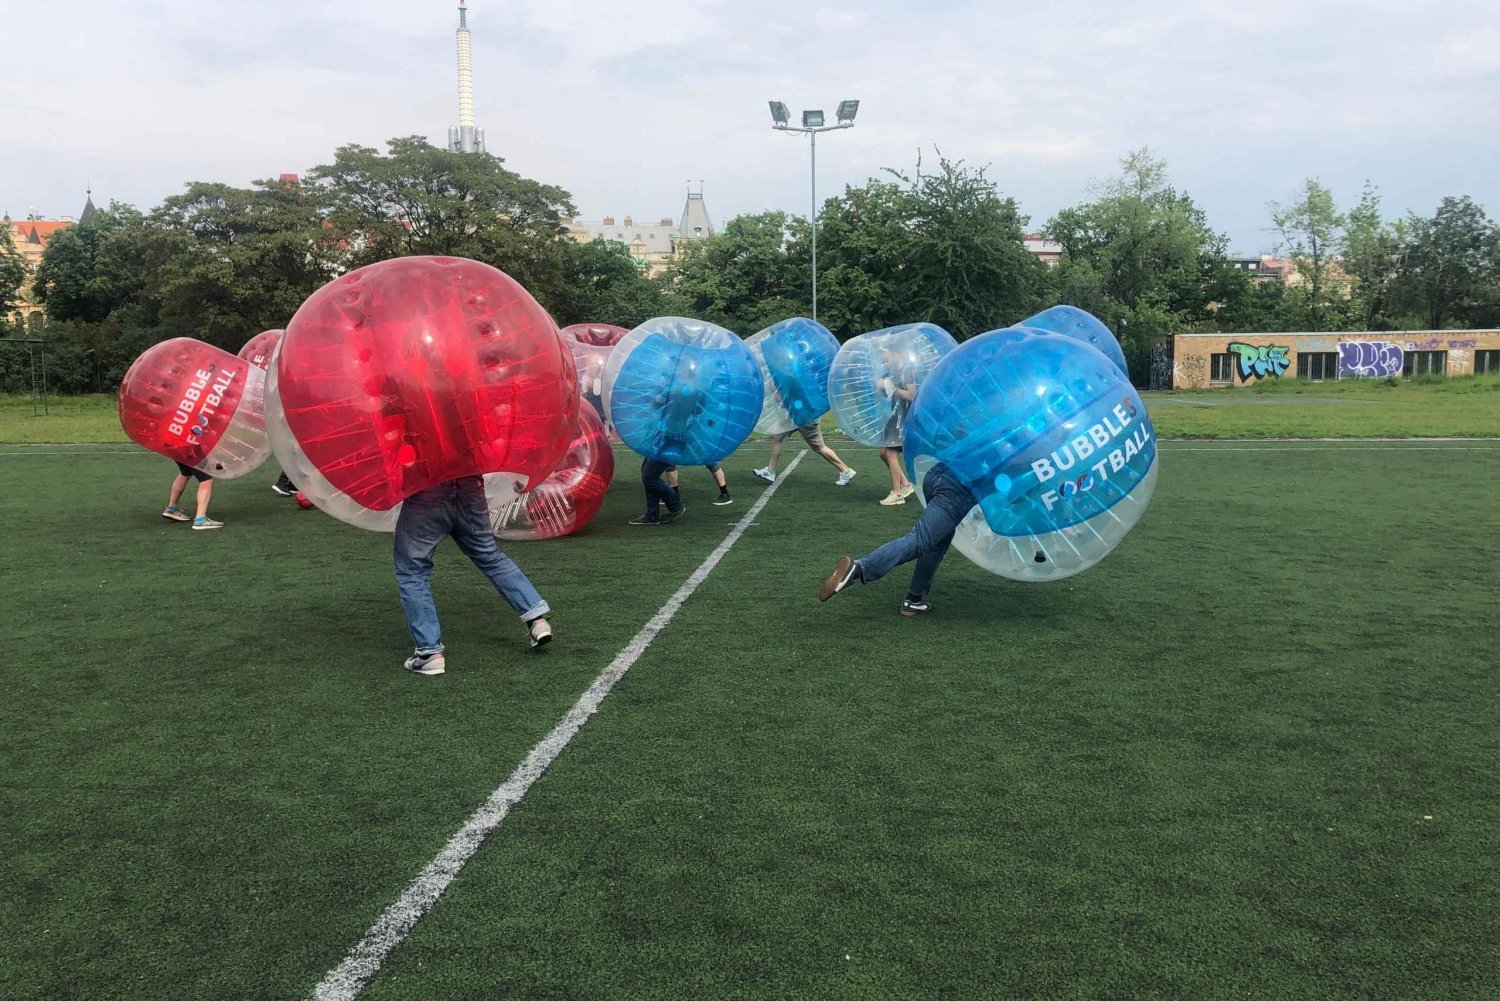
x,y
458,509
948,503
201,522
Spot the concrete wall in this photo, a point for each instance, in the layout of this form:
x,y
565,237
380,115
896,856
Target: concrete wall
x,y
1361,354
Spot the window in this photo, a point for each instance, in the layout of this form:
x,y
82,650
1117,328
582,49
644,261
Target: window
x,y
1425,363
1315,366
1251,265
1221,368
1487,362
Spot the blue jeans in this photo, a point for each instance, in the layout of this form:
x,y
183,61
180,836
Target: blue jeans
x,y
657,491
948,503
455,508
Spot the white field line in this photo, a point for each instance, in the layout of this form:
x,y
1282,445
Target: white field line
x,y
349,978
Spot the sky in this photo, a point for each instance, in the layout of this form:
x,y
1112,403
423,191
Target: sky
x,y
623,104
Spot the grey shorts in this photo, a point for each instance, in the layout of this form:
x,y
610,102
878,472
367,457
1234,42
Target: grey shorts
x,y
811,433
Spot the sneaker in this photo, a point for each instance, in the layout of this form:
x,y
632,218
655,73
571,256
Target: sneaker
x,y
426,663
845,477
911,609
907,491
645,519
176,514
673,515
541,633
845,572
724,498
893,498
281,491
204,524
764,473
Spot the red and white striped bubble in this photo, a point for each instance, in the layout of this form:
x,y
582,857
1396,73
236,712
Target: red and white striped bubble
x,y
197,405
564,502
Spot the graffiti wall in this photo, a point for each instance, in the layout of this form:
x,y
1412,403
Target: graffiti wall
x,y
1369,359
1202,361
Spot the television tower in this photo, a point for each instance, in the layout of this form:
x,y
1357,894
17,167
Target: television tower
x,y
464,137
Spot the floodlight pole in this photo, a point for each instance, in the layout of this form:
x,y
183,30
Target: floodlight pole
x,y
812,137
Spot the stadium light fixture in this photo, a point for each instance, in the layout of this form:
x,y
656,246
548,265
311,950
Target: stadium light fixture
x,y
812,119
847,111
779,115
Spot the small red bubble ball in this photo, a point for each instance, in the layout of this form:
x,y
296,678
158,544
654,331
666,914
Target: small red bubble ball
x,y
565,501
303,502
412,372
197,405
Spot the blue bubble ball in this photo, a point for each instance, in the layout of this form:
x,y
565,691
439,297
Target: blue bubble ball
x,y
872,374
1053,441
682,391
1070,321
794,356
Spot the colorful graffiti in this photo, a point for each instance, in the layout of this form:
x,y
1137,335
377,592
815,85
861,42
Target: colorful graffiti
x,y
1254,361
1161,364
1438,343
1369,359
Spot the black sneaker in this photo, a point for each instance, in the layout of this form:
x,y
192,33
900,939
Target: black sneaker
x,y
724,498
674,515
845,572
645,519
911,608
426,663
282,491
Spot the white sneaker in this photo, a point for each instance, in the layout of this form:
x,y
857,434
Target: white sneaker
x,y
541,633
844,478
204,524
426,663
764,473
907,491
892,499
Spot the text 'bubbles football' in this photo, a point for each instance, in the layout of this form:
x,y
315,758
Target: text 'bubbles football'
x,y
197,405
1050,437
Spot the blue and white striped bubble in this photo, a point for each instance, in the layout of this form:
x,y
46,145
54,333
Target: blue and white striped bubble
x,y
682,391
872,373
1081,325
794,357
1051,438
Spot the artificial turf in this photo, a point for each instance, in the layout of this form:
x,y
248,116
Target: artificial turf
x,y
1249,755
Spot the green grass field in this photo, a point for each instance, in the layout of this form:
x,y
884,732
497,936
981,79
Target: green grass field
x,y
1251,754
1462,407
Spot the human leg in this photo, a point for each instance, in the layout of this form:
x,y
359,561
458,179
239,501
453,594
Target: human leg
x,y
423,523
471,530
928,541
179,484
813,434
900,486
657,491
205,494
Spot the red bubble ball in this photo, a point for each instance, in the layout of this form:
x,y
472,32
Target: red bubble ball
x,y
197,405
412,372
257,350
565,501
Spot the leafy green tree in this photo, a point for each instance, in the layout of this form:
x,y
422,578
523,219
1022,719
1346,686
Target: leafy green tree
x,y
1142,257
1450,266
419,199
96,268
602,283
1308,228
746,276
863,240
12,276
1371,250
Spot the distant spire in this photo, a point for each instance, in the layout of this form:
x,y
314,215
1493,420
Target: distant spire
x,y
88,206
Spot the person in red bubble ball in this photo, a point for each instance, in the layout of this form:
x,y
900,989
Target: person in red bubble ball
x,y
202,522
458,509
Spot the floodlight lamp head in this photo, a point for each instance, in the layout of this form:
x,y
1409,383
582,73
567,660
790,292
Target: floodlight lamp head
x,y
779,115
847,111
812,119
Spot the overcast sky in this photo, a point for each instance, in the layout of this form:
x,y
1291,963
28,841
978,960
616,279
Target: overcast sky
x,y
622,103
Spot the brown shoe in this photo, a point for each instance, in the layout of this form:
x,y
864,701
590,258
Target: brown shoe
x,y
844,573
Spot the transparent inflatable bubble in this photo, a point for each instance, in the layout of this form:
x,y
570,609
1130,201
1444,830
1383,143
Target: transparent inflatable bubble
x,y
873,374
794,358
197,405
1052,440
257,350
591,344
1070,321
682,391
565,501
415,371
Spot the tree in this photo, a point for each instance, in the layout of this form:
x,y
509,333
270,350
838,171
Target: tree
x,y
1308,228
419,199
1451,264
12,275
99,266
1371,250
746,276
602,283
1141,257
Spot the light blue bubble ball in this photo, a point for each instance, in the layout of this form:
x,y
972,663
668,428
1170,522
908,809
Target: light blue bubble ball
x,y
1053,441
873,374
794,356
1080,325
682,391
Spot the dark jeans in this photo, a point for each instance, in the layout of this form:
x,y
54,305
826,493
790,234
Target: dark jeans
x,y
458,509
948,503
657,491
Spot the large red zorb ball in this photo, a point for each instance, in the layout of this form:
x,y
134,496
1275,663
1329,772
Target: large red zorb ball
x,y
416,371
565,501
257,350
197,405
